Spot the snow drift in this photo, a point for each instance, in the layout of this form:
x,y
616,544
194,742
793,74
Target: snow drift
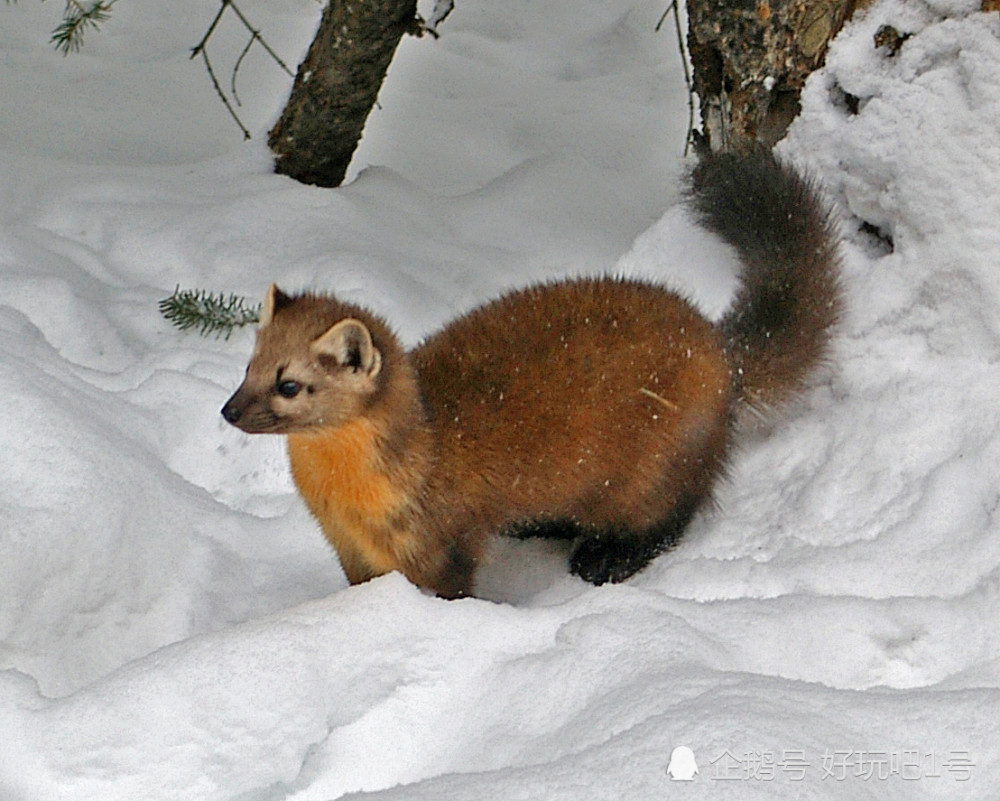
x,y
172,624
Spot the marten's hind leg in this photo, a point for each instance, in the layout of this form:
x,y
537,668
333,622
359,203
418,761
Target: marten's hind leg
x,y
614,554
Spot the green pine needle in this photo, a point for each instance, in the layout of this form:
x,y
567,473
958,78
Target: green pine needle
x,y
208,312
78,16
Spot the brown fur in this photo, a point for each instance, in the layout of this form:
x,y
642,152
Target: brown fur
x,y
592,408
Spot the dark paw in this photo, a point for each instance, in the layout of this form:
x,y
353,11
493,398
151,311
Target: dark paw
x,y
608,558
618,553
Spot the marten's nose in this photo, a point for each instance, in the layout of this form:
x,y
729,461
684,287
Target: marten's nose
x,y
232,412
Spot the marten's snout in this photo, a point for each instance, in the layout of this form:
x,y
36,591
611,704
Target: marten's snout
x,y
250,414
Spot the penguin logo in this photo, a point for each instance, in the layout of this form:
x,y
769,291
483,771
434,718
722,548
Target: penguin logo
x,y
682,767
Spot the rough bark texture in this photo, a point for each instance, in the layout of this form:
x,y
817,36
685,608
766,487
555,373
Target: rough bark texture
x,y
751,59
337,86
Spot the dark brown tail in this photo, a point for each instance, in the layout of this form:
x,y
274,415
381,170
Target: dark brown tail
x,y
779,325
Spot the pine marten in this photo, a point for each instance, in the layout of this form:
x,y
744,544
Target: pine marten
x,y
594,408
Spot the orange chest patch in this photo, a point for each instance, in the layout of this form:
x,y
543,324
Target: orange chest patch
x,y
339,475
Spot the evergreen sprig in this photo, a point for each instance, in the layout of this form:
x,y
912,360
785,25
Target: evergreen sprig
x,y
77,18
208,312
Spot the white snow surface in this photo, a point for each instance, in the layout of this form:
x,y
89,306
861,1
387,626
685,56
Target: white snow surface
x,y
173,625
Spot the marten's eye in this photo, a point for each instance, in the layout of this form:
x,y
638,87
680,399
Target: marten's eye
x,y
289,389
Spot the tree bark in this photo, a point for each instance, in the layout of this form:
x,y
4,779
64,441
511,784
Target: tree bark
x,y
336,87
750,59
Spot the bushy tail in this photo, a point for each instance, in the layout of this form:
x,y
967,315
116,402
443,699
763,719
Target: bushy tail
x,y
779,325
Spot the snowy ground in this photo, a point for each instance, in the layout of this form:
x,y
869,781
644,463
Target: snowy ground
x,y
172,625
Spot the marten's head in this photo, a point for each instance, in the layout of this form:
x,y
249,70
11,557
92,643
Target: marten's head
x,y
317,362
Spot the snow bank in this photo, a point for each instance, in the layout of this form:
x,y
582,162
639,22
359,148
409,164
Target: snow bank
x,y
173,626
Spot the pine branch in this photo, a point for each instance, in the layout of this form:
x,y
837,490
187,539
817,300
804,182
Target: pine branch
x,y
77,18
208,312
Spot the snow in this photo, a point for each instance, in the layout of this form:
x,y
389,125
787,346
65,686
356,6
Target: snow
x,y
172,624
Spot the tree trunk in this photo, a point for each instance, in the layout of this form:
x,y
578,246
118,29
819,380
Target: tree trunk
x,y
750,60
337,86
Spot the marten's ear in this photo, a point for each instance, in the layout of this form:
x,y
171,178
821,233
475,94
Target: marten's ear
x,y
350,344
274,299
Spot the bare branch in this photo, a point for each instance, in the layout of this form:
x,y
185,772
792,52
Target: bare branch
x,y
236,69
440,12
255,36
222,95
684,61
201,49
